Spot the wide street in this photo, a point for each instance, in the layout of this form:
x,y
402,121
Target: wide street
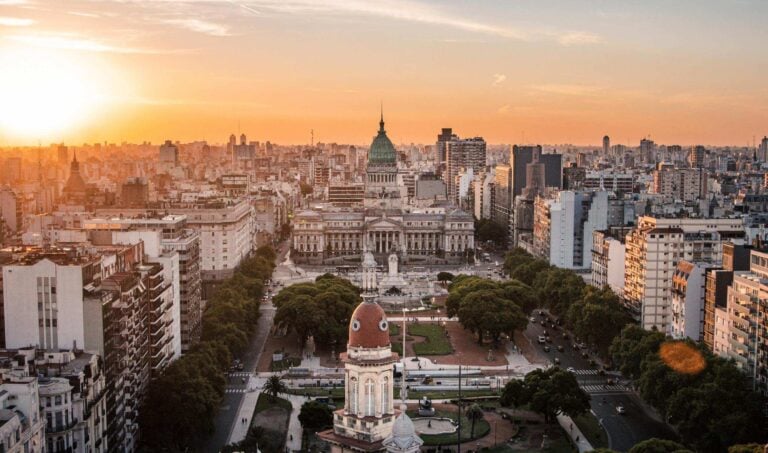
x,y
637,423
237,382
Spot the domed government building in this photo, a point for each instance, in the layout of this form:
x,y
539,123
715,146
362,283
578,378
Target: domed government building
x,y
369,422
385,224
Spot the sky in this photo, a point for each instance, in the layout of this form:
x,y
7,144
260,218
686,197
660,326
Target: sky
x,y
513,71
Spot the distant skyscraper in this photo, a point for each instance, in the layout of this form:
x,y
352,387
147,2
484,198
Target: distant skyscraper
x,y
62,153
169,153
696,156
462,154
647,147
445,136
763,153
606,144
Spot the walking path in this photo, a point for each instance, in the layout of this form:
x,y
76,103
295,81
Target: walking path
x,y
575,433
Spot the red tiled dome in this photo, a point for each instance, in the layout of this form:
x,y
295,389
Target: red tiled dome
x,y
368,327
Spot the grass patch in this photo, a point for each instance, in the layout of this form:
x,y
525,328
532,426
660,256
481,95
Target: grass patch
x,y
592,430
397,348
267,401
436,343
482,428
394,329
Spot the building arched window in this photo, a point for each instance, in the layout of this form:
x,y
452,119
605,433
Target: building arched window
x,y
385,395
369,394
353,395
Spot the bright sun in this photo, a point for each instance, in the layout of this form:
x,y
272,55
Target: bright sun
x,y
46,93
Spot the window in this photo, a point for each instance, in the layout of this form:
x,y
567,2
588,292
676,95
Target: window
x,y
369,396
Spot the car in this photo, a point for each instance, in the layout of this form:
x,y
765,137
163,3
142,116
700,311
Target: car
x,y
575,346
544,332
620,410
560,348
571,370
548,338
533,320
557,361
542,339
415,359
547,348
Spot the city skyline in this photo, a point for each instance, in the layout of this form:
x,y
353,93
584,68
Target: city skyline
x,y
523,72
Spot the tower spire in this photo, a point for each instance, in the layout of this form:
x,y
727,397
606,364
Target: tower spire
x,y
381,121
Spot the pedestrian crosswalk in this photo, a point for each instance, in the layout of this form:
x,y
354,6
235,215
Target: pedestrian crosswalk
x,y
599,388
585,372
240,374
235,390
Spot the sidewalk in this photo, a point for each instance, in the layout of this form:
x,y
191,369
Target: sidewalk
x,y
240,429
573,431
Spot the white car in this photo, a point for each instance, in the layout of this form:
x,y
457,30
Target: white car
x,y
542,339
571,369
620,410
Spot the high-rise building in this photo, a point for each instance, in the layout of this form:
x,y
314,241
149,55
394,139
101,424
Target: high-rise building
x,y
696,156
746,327
501,197
563,227
443,137
10,211
62,154
519,159
462,154
608,251
688,300
735,258
685,184
171,242
134,193
111,302
23,428
762,153
655,247
606,145
169,153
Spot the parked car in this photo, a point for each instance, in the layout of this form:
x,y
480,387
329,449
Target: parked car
x,y
620,410
542,339
557,361
547,348
560,348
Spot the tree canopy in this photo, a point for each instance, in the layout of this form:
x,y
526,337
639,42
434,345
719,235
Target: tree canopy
x,y
547,392
711,408
489,308
320,309
315,416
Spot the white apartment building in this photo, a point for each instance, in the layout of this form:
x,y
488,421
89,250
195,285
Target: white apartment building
x,y
688,298
744,333
654,248
607,262
22,429
564,223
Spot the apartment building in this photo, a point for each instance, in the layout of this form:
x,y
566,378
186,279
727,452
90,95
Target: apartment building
x,y
22,429
654,248
608,260
688,300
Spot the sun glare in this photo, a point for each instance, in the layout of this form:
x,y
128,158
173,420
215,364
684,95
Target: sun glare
x,y
46,93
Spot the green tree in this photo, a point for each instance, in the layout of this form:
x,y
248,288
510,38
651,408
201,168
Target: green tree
x,y
474,413
487,312
315,416
514,394
444,277
558,288
274,386
549,392
746,448
598,317
655,445
488,230
631,348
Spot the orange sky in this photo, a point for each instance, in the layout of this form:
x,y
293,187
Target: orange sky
x,y
565,71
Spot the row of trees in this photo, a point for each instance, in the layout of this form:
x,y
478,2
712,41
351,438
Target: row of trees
x,y
490,308
710,405
181,403
321,309
594,315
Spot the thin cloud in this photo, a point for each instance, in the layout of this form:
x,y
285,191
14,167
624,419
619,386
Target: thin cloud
x,y
578,38
12,2
15,22
504,109
200,26
68,42
569,90
498,79
82,14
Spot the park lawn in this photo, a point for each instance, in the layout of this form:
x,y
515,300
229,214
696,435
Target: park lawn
x,y
394,329
436,342
592,430
267,401
397,348
482,428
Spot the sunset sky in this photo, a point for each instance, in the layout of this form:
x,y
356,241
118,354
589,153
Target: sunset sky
x,y
565,71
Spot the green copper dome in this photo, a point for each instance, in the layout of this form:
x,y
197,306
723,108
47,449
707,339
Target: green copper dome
x,y
382,151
